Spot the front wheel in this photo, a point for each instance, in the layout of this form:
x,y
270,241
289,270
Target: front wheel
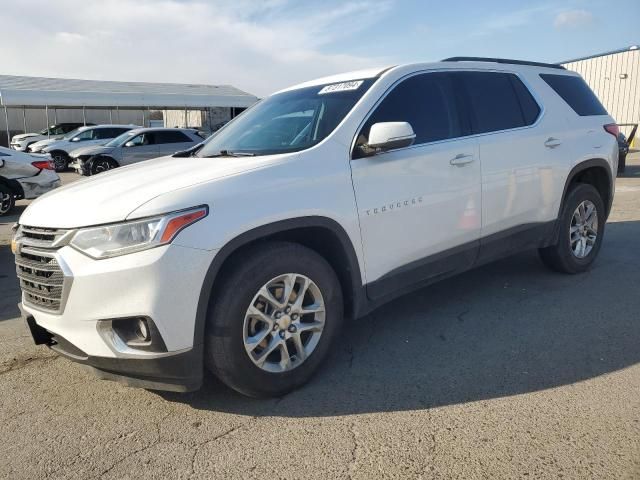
x,y
581,225
101,164
272,323
60,160
7,200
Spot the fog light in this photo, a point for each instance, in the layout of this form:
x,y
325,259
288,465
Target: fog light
x,y
142,330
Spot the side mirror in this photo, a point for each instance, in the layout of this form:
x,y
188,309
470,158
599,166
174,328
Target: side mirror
x,y
385,136
75,139
129,144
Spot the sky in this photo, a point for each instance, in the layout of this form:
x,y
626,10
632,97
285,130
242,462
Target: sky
x,y
262,46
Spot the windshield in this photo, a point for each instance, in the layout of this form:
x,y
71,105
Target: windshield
x,y
287,122
120,139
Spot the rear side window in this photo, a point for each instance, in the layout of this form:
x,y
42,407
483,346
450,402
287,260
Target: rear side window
x,y
171,136
426,102
577,94
494,102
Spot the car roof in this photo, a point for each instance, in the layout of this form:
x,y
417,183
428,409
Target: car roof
x,y
453,63
162,129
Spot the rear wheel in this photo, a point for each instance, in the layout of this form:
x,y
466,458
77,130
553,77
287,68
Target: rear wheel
x,y
7,200
273,321
60,160
102,164
581,231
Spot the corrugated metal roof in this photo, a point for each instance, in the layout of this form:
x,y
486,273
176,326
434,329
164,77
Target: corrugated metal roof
x,y
66,92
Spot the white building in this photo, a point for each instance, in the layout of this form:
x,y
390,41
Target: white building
x,y
29,104
615,79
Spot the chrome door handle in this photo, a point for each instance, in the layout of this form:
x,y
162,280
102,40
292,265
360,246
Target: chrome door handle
x,y
461,159
552,142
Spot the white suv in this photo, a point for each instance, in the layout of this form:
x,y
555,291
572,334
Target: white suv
x,y
322,201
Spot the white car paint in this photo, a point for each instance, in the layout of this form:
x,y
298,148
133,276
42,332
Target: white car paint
x,y
396,208
18,166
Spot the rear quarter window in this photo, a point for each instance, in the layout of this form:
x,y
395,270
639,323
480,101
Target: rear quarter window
x,y
576,93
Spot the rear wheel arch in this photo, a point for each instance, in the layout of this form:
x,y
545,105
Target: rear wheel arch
x,y
321,234
596,172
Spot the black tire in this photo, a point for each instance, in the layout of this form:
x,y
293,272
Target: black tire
x,y
102,164
622,163
560,257
225,354
7,200
60,160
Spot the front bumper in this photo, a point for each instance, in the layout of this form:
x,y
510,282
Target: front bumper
x,y
80,166
162,284
176,372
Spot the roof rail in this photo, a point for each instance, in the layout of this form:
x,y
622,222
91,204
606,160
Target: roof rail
x,y
503,60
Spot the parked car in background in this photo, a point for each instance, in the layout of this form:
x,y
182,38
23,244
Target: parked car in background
x,y
322,201
133,146
22,141
24,175
82,137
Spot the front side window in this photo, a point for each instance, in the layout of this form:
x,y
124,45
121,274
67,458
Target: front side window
x,y
426,101
287,122
492,101
120,139
141,140
86,135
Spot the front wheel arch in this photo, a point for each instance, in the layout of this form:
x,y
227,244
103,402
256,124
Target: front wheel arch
x,y
348,273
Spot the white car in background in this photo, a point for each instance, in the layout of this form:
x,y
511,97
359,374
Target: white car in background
x,y
24,175
23,141
82,137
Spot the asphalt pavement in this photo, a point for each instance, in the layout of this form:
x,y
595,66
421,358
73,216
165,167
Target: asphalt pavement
x,y
507,371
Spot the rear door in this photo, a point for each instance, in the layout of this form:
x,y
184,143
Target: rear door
x,y
171,141
516,164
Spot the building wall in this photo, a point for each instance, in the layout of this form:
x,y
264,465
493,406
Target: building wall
x,y
37,119
604,74
202,119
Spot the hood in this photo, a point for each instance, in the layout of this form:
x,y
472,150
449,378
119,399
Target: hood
x,y
112,196
44,143
22,136
54,144
90,150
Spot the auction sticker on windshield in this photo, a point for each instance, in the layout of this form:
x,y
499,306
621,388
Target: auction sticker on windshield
x,y
341,87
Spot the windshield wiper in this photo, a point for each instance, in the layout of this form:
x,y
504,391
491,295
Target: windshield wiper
x,y
228,153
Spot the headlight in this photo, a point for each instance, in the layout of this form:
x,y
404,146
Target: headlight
x,y
17,234
128,237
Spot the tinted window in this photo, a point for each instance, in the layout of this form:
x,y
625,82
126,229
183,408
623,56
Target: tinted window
x,y
70,126
104,133
530,109
576,92
426,102
492,100
171,136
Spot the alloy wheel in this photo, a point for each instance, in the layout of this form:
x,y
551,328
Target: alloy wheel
x,y
284,322
583,231
5,202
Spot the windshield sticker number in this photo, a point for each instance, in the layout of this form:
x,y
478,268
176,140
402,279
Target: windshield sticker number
x,y
340,87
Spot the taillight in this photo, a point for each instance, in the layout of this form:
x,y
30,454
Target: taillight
x,y
613,129
44,165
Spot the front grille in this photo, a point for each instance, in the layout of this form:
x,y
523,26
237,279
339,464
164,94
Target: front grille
x,y
42,279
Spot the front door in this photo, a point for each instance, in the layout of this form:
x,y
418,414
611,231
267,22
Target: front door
x,y
420,206
139,148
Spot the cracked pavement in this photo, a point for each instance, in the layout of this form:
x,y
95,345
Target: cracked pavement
x,y
507,371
